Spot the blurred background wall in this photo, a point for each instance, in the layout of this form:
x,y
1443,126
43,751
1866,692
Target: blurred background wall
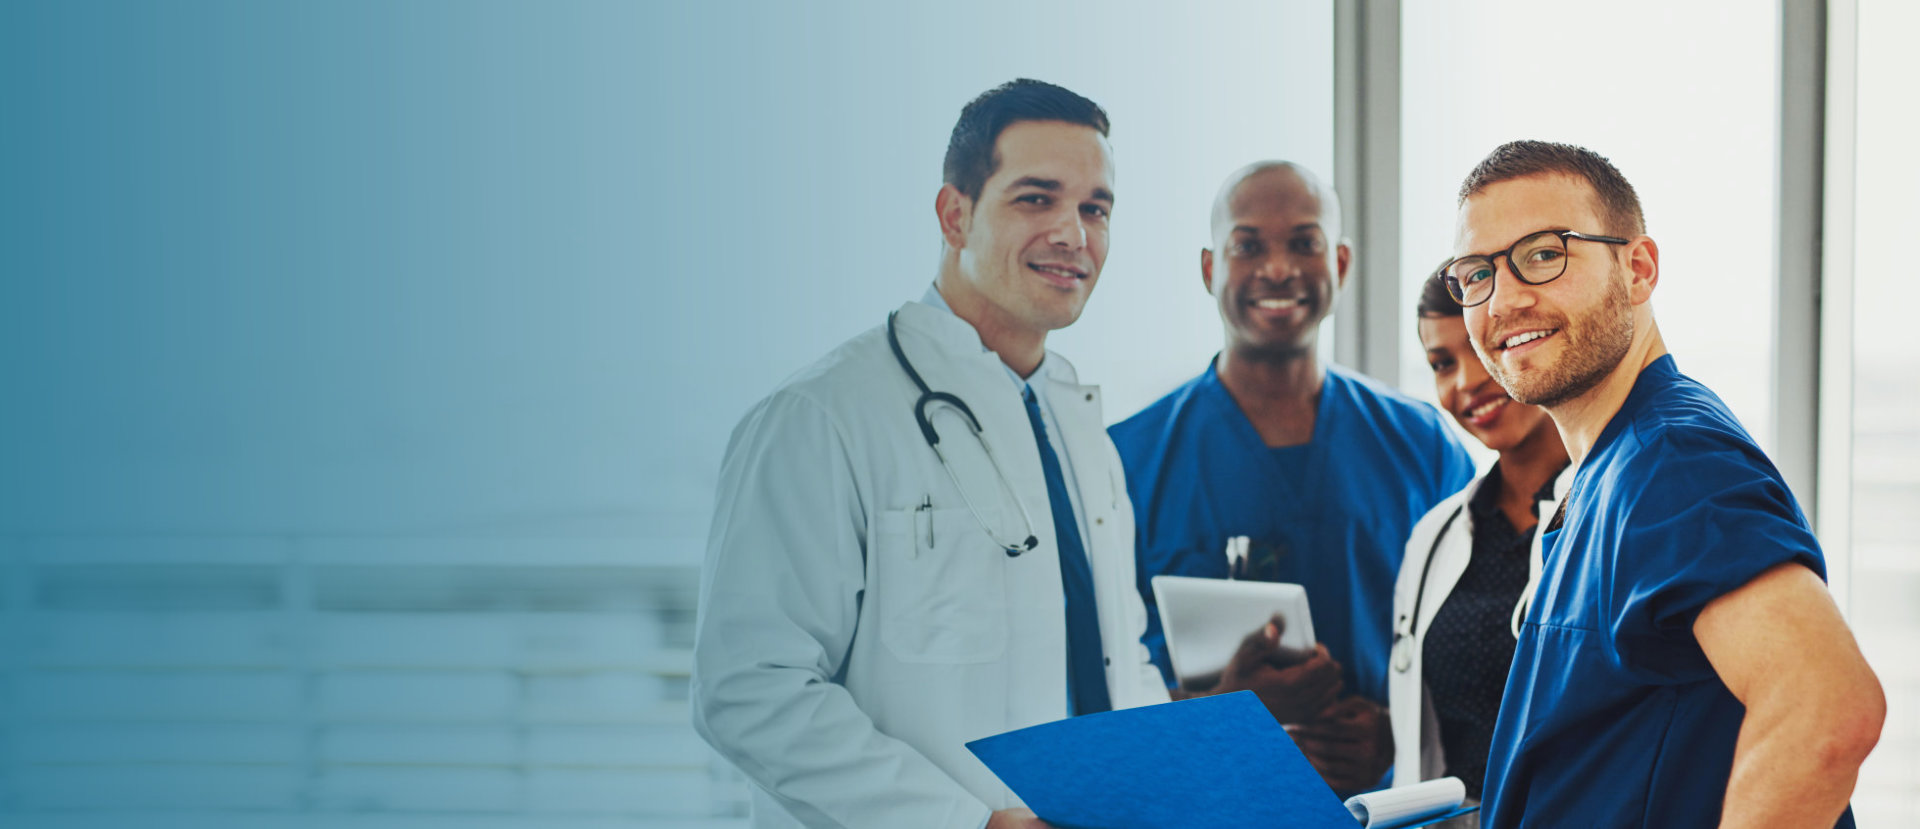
x,y
369,365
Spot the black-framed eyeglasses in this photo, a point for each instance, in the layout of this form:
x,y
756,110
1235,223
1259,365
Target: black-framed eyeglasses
x,y
1538,258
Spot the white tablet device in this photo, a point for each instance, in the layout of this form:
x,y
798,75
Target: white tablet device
x,y
1205,619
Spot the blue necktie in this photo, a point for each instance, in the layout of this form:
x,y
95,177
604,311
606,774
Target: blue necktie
x,y
1086,659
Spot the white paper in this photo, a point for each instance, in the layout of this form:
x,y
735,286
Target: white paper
x,y
1399,806
1206,619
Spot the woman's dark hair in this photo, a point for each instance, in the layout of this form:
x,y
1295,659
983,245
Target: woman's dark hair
x,y
1435,301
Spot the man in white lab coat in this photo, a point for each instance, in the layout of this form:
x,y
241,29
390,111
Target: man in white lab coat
x,y
869,605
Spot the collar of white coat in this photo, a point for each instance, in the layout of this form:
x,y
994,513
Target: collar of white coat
x,y
932,317
1536,549
1560,486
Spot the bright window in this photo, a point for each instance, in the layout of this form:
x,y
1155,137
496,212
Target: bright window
x,y
1885,576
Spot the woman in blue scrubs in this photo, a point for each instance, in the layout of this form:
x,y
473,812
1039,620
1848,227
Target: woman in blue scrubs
x,y
1467,566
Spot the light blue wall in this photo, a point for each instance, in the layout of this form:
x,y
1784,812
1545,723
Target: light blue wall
x,y
367,365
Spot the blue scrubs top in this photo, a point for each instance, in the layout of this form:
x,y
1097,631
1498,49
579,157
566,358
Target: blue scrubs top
x,y
1332,515
1612,715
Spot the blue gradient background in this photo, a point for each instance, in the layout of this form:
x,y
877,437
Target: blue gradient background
x,y
367,366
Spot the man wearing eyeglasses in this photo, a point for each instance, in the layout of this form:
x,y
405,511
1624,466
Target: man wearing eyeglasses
x,y
1321,472
1682,663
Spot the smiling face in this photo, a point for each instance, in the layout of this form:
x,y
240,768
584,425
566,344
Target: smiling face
x,y
1546,344
1276,264
1030,248
1469,393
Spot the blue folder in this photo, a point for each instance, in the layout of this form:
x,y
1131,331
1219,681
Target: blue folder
x,y
1213,761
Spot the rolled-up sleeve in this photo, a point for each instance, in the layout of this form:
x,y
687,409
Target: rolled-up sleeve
x,y
1703,517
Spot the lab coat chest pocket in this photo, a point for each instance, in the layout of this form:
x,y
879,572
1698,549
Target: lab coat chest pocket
x,y
941,587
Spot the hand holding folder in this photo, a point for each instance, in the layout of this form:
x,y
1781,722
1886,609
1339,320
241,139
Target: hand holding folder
x,y
1214,761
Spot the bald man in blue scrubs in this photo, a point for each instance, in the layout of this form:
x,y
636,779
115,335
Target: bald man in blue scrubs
x,y
1682,663
1324,471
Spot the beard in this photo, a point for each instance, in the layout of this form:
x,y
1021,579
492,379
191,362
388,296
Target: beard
x,y
1595,345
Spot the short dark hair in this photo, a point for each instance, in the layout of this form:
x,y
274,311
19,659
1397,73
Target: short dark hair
x,y
970,156
1435,299
1619,206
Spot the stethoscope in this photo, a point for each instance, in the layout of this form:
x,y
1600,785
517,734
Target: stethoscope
x,y
1404,627
929,397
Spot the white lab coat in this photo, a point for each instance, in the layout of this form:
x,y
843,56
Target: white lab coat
x,y
848,645
1417,753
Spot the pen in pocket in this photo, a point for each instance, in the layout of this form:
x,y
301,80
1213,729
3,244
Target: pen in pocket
x,y
926,506
1237,556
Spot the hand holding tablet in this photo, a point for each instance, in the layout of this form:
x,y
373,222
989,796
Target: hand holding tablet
x,y
1206,620
1226,636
